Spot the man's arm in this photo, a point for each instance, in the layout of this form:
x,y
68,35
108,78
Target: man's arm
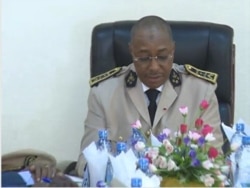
x,y
37,176
95,121
211,116
12,179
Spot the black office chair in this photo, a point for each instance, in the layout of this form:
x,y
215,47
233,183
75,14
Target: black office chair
x,y
208,46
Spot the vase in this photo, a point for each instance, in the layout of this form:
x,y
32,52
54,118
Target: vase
x,y
174,182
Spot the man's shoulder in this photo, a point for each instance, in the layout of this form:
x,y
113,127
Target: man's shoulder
x,y
189,70
110,76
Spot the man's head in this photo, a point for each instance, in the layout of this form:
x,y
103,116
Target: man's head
x,y
152,49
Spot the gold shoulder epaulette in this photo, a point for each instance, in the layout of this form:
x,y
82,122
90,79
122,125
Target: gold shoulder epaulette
x,y
206,75
97,79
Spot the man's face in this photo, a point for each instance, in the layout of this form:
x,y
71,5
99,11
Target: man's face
x,y
148,43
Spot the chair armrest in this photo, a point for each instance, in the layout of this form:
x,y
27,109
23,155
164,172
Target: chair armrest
x,y
71,169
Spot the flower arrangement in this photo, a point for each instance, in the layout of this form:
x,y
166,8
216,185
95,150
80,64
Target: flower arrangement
x,y
187,154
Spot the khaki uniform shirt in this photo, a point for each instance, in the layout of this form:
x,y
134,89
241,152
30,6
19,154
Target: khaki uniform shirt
x,y
114,106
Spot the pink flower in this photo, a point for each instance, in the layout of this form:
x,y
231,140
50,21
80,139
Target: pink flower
x,y
198,123
183,128
213,152
152,153
207,129
166,131
193,135
150,160
204,105
183,110
136,124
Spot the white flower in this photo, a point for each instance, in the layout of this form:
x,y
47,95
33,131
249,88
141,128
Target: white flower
x,y
168,146
207,164
171,165
177,134
153,152
163,162
207,180
222,177
160,161
194,146
140,146
210,137
225,169
152,168
216,166
235,146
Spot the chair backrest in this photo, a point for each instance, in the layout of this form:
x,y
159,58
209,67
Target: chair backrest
x,y
208,46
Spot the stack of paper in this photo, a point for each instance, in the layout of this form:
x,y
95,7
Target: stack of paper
x,y
124,168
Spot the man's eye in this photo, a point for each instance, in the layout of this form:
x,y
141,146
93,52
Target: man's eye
x,y
144,59
162,58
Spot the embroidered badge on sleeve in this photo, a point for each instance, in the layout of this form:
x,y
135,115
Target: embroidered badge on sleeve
x,y
205,75
99,78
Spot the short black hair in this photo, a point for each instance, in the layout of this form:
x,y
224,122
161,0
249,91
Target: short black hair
x,y
151,21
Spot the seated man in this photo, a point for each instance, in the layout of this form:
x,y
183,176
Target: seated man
x,y
32,168
122,98
36,176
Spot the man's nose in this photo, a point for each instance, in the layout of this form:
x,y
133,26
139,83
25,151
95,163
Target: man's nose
x,y
154,63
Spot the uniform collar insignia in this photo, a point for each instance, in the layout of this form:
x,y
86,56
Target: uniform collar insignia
x,y
131,79
175,78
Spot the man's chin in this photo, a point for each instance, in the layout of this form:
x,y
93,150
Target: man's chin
x,y
153,84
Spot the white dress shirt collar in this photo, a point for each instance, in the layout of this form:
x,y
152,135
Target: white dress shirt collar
x,y
145,88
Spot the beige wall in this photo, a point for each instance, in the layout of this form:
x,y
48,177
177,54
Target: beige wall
x,y
45,62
